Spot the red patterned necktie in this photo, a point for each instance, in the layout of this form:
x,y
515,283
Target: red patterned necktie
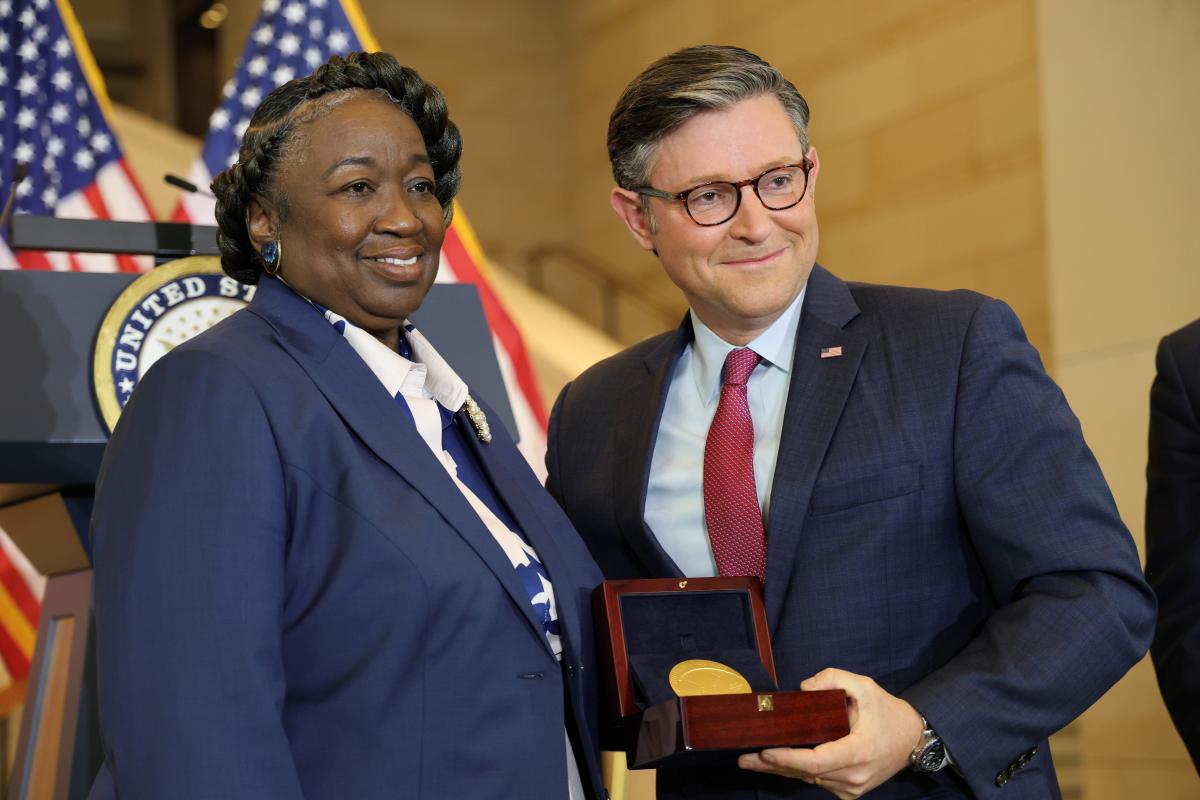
x,y
731,509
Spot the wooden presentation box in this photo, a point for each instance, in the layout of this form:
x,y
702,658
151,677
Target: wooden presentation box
x,y
646,627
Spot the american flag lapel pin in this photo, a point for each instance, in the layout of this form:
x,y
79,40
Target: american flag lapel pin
x,y
831,352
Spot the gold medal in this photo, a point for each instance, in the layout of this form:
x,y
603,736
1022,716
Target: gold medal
x,y
697,677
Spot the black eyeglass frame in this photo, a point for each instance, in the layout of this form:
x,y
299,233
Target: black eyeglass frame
x,y
805,166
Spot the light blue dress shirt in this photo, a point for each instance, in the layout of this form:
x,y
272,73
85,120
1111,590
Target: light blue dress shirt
x,y
675,495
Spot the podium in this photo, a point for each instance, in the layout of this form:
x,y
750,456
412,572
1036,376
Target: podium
x,y
52,439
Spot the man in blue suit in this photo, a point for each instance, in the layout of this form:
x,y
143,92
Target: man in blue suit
x,y
934,535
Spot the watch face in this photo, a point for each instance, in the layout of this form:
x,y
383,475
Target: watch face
x,y
933,757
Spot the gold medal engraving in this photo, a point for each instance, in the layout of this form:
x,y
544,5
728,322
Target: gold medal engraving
x,y
699,677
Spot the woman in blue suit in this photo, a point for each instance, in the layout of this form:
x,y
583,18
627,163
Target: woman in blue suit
x,y
320,573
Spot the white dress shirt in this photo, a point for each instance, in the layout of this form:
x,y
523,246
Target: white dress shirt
x,y
675,495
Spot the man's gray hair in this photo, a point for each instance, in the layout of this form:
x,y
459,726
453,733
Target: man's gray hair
x,y
676,88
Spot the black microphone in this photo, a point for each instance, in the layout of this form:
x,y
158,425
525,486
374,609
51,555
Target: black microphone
x,y
186,185
19,173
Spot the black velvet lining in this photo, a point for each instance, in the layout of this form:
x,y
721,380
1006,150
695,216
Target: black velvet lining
x,y
663,629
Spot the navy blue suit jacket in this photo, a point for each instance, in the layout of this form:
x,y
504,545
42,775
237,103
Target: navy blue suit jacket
x,y
292,599
936,523
1173,528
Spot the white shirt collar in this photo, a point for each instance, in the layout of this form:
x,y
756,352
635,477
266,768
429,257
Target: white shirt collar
x,y
776,345
429,376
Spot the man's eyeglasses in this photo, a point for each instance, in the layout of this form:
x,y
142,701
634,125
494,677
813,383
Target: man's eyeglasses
x,y
717,202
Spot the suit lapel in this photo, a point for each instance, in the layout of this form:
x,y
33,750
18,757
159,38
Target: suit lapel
x,y
501,463
639,411
816,397
362,403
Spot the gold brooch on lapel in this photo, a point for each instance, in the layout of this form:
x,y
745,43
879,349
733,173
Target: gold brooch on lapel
x,y
478,420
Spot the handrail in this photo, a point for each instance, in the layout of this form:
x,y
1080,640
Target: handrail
x,y
613,285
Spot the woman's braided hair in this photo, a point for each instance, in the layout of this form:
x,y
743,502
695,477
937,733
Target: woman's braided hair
x,y
272,135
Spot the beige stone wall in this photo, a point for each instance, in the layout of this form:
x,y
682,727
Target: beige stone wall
x,y
1121,108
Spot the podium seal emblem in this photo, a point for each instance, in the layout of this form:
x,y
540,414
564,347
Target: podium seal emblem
x,y
157,312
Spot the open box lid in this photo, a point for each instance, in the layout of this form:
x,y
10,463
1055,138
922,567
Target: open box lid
x,y
646,626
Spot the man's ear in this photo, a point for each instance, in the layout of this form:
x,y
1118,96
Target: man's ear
x,y
261,223
628,206
816,169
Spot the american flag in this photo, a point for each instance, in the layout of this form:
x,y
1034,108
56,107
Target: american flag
x,y
52,126
291,38
52,120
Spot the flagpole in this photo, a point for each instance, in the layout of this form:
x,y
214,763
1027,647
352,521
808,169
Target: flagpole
x,y
358,22
86,60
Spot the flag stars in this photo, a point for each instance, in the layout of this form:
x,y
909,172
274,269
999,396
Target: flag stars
x,y
264,35
24,153
312,57
62,48
81,96
39,34
219,118
338,41
26,119
27,85
54,146
28,51
84,126
294,13
27,18
251,96
24,189
238,131
125,385
58,113
315,27
257,66
289,44
5,8
50,196
3,41
84,160
101,142
270,6
62,80
283,75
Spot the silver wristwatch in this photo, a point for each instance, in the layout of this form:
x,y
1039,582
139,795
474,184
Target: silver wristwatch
x,y
930,753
